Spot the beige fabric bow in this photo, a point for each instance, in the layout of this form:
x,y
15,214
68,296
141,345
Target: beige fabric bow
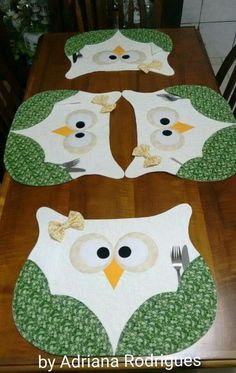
x,y
103,101
149,160
56,229
146,67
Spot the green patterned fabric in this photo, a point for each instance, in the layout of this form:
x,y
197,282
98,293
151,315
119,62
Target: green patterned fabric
x,y
206,101
38,107
58,324
77,42
24,158
219,156
164,324
150,36
171,322
218,161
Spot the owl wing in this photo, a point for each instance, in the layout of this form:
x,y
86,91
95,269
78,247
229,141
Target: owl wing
x,y
60,325
77,42
170,322
158,39
219,159
24,158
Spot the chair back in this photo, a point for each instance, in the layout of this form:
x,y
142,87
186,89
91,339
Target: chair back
x,y
87,15
11,88
10,93
10,99
228,71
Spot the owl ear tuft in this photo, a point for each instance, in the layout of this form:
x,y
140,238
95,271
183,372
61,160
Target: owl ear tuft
x,y
45,214
184,209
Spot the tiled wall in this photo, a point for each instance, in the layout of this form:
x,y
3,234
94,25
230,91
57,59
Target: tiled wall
x,y
216,20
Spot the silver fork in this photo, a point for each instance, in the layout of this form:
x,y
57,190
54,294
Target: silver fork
x,y
176,259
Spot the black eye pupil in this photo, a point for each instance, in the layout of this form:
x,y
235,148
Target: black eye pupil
x,y
103,252
165,121
80,124
126,56
79,134
124,251
112,57
167,133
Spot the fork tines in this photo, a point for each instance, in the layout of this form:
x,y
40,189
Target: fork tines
x,y
176,255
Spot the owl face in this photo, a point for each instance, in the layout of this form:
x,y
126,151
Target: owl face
x,y
117,53
134,252
169,130
171,127
78,138
112,261
76,130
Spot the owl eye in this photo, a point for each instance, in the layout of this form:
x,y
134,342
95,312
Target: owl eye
x,y
162,116
133,57
167,139
136,252
91,253
81,119
105,57
80,142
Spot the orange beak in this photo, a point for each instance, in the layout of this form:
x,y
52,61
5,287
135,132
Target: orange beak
x,y
119,50
113,273
181,127
64,131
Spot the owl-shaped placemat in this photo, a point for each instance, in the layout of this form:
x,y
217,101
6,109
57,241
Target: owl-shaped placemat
x,y
188,131
116,50
114,287
58,136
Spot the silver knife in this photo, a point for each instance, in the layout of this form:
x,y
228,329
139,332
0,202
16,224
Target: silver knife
x,y
185,257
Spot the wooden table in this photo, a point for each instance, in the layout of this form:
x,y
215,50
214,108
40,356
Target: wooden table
x,y
212,227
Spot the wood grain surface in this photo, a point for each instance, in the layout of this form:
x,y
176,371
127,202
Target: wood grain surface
x,y
212,226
